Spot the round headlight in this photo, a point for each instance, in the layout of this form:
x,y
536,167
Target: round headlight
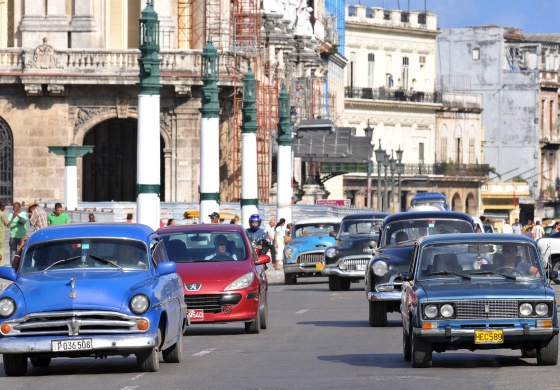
x,y
541,309
447,310
7,307
379,268
342,265
288,252
430,311
330,252
525,309
139,304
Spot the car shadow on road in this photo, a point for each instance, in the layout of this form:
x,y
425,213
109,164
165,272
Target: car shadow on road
x,y
214,330
65,366
350,324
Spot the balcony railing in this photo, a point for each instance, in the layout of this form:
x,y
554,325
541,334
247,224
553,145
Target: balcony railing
x,y
392,94
445,169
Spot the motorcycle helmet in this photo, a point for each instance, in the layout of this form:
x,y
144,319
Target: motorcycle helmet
x,y
254,218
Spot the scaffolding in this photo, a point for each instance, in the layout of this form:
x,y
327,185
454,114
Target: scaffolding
x,y
199,21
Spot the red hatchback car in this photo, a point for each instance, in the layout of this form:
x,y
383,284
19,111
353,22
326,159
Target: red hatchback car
x,y
224,279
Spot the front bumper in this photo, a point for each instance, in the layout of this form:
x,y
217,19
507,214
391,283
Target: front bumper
x,y
244,310
307,268
375,296
334,270
448,332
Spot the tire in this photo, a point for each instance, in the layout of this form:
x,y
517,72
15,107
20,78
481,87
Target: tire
x,y
15,364
290,279
528,353
334,283
377,314
264,316
547,352
147,360
407,349
254,327
40,362
174,354
345,284
421,352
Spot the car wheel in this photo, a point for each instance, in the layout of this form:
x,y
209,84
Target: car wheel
x,y
556,267
40,362
406,345
421,352
15,364
334,283
254,326
547,353
290,279
528,353
174,354
264,316
345,284
377,314
148,359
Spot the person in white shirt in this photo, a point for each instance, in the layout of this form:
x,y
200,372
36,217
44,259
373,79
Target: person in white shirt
x,y
516,227
506,228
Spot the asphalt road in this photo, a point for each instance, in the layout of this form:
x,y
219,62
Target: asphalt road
x,y
317,339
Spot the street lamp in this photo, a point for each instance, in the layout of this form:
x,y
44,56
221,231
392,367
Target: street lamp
x,y
293,115
369,135
386,187
379,157
393,167
400,171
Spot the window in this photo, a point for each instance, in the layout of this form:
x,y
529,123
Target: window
x,y
371,68
421,152
444,149
352,70
422,60
405,73
472,158
476,53
458,157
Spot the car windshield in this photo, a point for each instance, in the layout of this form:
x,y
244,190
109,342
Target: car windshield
x,y
188,247
311,229
504,260
94,253
412,229
428,202
356,226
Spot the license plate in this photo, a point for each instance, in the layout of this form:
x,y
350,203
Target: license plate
x,y
196,314
71,345
360,267
488,336
319,266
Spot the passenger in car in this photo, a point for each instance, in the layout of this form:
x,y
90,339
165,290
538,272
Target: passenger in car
x,y
220,246
512,260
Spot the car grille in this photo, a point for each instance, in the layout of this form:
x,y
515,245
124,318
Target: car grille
x,y
351,263
307,258
211,303
488,308
74,323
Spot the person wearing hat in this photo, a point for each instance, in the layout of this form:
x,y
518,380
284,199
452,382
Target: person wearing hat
x,y
214,217
37,216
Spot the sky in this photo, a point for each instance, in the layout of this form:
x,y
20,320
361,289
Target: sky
x,y
531,16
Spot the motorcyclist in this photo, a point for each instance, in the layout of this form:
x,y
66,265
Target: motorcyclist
x,y
255,233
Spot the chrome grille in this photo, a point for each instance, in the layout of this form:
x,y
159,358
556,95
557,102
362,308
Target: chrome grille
x,y
311,258
352,263
487,308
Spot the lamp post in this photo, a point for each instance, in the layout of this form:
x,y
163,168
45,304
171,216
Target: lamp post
x,y
369,135
400,171
385,186
284,162
379,157
393,167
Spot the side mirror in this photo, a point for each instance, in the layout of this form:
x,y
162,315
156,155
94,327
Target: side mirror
x,y
406,276
166,268
552,275
332,234
262,259
8,273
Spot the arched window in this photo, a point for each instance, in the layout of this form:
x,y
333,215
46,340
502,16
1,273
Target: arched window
x,y
6,163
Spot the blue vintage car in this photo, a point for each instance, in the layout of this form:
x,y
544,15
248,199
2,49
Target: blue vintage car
x,y
92,290
304,255
478,291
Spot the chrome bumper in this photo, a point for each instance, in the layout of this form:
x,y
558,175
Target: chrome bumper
x,y
375,296
106,343
327,271
516,331
296,268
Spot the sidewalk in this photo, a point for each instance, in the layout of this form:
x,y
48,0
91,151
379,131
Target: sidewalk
x,y
275,276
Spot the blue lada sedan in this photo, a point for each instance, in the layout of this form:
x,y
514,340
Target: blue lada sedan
x,y
478,291
92,290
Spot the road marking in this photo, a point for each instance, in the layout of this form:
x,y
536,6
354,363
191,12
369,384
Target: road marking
x,y
205,352
129,388
138,376
302,311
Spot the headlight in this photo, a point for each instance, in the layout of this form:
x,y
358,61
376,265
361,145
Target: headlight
x,y
241,282
330,252
525,309
379,268
7,307
342,265
431,311
288,252
447,310
139,304
541,309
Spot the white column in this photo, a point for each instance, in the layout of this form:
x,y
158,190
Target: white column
x,y
71,187
209,165
284,183
148,161
249,176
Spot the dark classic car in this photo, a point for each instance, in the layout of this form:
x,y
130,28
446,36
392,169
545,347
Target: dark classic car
x,y
224,279
346,261
478,291
92,290
392,255
304,255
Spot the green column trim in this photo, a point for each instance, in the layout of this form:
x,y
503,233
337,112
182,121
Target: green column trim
x,y
149,52
210,68
210,196
148,189
284,125
70,153
249,202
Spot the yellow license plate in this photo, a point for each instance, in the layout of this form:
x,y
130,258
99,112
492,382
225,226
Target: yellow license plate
x,y
488,336
319,266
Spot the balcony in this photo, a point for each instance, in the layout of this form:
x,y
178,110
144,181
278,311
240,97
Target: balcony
x,y
449,170
391,94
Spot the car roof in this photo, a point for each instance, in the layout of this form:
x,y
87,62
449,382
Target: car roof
x,y
204,227
428,215
304,221
124,230
365,216
476,237
429,195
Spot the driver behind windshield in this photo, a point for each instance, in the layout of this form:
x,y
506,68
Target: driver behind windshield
x,y
220,245
510,259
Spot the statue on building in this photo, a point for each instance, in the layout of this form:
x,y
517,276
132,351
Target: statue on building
x,y
44,57
303,24
271,6
290,14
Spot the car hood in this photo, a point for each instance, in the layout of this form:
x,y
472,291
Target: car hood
x,y
99,290
221,271
459,290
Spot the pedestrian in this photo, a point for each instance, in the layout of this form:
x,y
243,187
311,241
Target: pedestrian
x,y
37,216
528,229
92,217
4,222
234,220
537,231
555,229
516,227
214,217
57,217
268,244
170,222
506,228
128,218
280,232
17,220
288,235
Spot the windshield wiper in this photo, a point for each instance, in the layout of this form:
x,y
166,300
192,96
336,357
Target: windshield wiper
x,y
105,261
63,261
448,273
494,273
203,261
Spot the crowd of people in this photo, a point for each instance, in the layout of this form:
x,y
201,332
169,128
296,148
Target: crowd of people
x,y
533,229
